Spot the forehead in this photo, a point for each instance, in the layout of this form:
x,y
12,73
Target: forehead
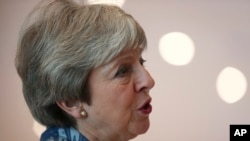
x,y
129,53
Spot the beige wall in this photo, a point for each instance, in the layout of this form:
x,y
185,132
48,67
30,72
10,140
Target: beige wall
x,y
186,103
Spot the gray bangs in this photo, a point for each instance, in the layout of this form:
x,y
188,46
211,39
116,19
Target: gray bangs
x,y
124,35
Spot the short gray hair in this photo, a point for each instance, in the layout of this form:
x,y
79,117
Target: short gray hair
x,y
60,44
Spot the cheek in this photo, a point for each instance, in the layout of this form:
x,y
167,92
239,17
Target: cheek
x,y
124,95
113,98
121,103
113,107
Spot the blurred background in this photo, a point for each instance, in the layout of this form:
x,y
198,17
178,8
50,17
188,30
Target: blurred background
x,y
198,53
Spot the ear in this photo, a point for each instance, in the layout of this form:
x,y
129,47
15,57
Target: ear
x,y
73,108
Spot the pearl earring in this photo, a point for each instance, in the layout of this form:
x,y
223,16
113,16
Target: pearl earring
x,y
83,113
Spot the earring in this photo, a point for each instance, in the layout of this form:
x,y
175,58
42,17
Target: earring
x,y
83,113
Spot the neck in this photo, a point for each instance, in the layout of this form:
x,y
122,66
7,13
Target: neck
x,y
100,134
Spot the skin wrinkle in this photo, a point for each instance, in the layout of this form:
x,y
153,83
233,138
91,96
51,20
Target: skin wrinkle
x,y
117,92
92,63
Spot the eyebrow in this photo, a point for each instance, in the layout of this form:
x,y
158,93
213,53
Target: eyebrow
x,y
124,57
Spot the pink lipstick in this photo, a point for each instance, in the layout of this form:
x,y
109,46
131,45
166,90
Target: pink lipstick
x,y
146,108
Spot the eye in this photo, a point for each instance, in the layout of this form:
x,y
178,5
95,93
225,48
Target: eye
x,y
123,71
142,61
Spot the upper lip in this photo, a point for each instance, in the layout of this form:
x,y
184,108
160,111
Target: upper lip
x,y
148,101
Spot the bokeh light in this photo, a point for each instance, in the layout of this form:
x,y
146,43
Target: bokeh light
x,y
231,85
38,128
119,3
176,48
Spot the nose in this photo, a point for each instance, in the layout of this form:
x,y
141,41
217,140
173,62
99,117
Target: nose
x,y
144,81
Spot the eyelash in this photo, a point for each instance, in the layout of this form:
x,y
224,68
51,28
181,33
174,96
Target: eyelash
x,y
123,71
126,69
142,61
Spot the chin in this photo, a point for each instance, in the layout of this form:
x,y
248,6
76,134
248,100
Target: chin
x,y
138,129
143,127
142,130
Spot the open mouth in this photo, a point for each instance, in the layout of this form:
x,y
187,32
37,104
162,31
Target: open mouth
x,y
146,108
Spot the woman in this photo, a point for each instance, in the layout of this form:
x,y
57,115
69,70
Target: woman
x,y
82,72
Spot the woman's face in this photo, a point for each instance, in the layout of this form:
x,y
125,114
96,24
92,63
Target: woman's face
x,y
120,105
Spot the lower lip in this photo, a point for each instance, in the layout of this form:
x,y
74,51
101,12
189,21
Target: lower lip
x,y
147,111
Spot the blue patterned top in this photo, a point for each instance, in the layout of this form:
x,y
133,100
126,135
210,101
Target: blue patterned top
x,y
62,134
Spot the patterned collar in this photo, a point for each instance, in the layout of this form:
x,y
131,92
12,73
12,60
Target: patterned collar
x,y
62,134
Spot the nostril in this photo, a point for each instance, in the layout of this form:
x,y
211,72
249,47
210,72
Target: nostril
x,y
143,89
147,85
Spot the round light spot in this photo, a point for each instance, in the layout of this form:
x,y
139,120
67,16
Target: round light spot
x,y
119,3
176,48
231,85
38,128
